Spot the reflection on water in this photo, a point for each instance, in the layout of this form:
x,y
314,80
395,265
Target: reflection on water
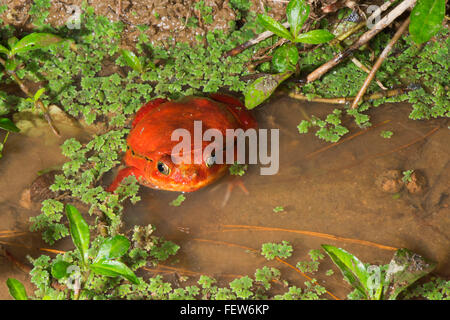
x,y
324,190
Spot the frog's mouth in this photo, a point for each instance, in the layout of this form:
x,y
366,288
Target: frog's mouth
x,y
185,180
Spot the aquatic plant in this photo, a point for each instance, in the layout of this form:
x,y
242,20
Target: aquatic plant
x,y
380,282
285,57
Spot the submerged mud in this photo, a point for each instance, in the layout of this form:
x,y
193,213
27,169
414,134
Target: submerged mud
x,y
325,190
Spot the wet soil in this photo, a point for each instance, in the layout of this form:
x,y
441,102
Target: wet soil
x,y
332,191
166,19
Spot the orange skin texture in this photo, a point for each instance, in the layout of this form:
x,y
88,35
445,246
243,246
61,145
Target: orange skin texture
x,y
149,141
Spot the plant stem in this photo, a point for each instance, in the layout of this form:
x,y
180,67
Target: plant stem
x,y
38,102
345,100
248,44
380,60
6,137
30,95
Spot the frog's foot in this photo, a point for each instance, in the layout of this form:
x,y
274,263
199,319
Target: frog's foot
x,y
123,173
233,183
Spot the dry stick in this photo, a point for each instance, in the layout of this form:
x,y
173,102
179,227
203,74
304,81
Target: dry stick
x,y
383,23
314,234
248,44
335,42
9,231
11,235
31,248
26,269
366,70
380,60
167,269
344,100
256,251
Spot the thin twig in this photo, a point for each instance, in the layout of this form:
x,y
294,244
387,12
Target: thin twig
x,y
30,95
366,70
252,42
383,23
314,234
345,100
380,60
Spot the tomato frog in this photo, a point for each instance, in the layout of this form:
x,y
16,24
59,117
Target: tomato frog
x,y
149,143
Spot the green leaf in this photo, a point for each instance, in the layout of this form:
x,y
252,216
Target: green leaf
x,y
79,230
8,125
351,267
405,268
38,94
297,11
35,41
274,26
262,88
4,50
285,58
112,248
132,60
16,289
59,269
12,41
114,268
315,36
426,19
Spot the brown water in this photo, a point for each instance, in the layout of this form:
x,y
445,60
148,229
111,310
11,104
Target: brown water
x,y
331,192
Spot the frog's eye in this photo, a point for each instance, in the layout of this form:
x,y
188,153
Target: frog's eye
x,y
163,168
210,161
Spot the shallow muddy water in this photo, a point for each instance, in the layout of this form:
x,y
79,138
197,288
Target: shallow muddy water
x,y
330,192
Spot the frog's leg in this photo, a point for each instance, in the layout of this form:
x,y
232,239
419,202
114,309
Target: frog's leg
x,y
238,109
247,121
123,173
146,108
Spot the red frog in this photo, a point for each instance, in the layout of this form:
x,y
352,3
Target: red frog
x,y
149,144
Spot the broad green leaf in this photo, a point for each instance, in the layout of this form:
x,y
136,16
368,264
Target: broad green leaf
x,y
405,268
16,289
79,230
274,26
351,267
38,94
35,41
114,268
297,11
132,60
12,41
262,88
4,50
112,248
59,269
8,125
426,19
285,58
315,36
